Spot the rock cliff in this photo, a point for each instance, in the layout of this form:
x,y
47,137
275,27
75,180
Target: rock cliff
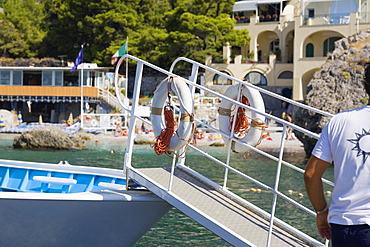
x,y
48,138
336,86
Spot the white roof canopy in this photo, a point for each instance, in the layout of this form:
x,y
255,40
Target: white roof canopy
x,y
245,6
268,1
251,5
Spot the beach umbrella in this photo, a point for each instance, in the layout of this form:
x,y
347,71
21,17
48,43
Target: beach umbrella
x,y
40,120
2,124
70,119
19,119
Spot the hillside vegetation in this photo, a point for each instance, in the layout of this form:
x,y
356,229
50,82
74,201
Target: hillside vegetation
x,y
157,31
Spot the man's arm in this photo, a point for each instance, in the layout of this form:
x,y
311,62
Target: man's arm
x,y
315,168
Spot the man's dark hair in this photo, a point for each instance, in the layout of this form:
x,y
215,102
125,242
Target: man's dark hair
x,y
367,78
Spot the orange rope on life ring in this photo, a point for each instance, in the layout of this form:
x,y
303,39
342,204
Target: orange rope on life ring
x,y
163,140
241,121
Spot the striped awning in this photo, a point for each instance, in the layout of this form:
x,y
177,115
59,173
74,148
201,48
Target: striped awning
x,y
47,99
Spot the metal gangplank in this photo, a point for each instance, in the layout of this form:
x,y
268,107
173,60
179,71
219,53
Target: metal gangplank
x,y
228,215
238,224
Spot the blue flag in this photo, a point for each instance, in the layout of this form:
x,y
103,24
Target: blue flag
x,y
79,60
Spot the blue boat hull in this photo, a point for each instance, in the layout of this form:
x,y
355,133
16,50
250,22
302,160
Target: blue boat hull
x,y
82,209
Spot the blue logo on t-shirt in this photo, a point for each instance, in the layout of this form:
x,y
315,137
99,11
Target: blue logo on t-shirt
x,y
362,144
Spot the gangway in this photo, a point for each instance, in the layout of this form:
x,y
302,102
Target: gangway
x,y
214,206
237,223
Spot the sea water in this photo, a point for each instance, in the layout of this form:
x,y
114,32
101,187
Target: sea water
x,y
175,228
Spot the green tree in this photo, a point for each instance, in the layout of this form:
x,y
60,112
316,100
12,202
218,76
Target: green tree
x,y
237,37
2,3
149,44
27,16
11,40
211,8
159,31
147,40
101,25
200,28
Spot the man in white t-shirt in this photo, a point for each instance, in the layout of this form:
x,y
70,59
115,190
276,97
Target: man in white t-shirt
x,y
345,141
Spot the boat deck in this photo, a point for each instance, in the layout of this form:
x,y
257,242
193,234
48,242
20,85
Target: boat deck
x,y
235,223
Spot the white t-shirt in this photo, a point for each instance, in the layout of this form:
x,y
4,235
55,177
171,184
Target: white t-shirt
x,y
346,141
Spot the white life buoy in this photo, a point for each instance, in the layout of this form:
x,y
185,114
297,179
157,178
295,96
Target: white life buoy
x,y
185,126
253,136
94,122
115,121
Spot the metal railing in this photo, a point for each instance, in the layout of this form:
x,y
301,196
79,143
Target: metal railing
x,y
226,165
364,17
327,19
111,99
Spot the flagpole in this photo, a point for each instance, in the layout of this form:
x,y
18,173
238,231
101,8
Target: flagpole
x,y
82,97
126,82
126,69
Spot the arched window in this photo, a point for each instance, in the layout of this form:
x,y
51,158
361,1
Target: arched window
x,y
221,80
286,75
256,78
329,45
309,50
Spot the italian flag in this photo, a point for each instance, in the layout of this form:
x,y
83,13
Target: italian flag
x,y
122,51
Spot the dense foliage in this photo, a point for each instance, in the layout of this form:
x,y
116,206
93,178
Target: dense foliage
x,y
159,31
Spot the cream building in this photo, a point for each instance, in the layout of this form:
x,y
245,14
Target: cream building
x,y
290,40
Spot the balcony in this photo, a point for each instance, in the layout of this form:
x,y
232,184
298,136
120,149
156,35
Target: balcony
x,y
258,19
337,19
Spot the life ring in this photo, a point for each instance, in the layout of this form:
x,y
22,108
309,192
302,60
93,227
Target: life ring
x,y
257,125
94,122
184,131
115,121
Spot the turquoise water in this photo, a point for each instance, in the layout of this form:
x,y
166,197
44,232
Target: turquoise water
x,y
176,229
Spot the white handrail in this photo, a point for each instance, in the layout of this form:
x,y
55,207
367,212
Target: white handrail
x,y
192,83
262,90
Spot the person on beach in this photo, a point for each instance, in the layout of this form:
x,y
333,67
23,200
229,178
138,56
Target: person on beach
x,y
195,137
346,141
143,129
118,130
290,134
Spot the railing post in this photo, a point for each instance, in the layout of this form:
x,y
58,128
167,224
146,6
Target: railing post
x,y
135,103
230,141
172,174
276,187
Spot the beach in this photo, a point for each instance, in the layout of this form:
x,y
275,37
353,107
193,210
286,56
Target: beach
x,y
269,144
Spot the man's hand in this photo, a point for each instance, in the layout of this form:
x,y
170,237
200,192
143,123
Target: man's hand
x,y
315,168
323,225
